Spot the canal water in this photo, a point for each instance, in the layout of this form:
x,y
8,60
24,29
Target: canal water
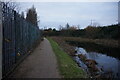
x,y
108,64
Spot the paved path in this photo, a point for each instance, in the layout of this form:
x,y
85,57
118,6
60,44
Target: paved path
x,y
40,64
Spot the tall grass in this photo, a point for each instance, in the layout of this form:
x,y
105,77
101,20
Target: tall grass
x,y
104,42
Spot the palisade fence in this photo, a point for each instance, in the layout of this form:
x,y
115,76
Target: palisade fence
x,y
19,38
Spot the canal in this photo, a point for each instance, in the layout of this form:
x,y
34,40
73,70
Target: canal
x,y
107,59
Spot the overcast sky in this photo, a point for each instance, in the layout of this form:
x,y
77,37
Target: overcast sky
x,y
64,0
53,14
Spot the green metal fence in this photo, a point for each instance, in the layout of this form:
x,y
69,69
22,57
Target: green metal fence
x,y
19,37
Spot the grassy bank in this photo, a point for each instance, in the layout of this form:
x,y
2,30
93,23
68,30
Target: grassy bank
x,y
104,42
67,67
110,47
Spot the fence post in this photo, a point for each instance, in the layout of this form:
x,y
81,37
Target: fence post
x,y
0,40
119,13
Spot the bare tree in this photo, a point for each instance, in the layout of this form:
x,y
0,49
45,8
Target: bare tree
x,y
67,26
96,24
60,27
78,26
12,4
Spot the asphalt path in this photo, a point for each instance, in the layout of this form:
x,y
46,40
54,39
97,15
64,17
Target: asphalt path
x,y
41,63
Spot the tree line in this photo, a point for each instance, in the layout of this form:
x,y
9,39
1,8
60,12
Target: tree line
x,y
100,32
31,15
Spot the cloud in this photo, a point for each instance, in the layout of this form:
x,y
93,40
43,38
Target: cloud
x,y
65,0
55,14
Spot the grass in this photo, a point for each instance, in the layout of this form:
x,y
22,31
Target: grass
x,y
67,67
104,42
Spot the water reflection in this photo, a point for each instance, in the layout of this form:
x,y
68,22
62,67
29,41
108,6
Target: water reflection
x,y
107,63
92,47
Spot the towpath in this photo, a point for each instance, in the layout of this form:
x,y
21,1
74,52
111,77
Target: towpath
x,y
41,63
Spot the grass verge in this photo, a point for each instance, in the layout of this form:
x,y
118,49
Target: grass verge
x,y
67,67
103,42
